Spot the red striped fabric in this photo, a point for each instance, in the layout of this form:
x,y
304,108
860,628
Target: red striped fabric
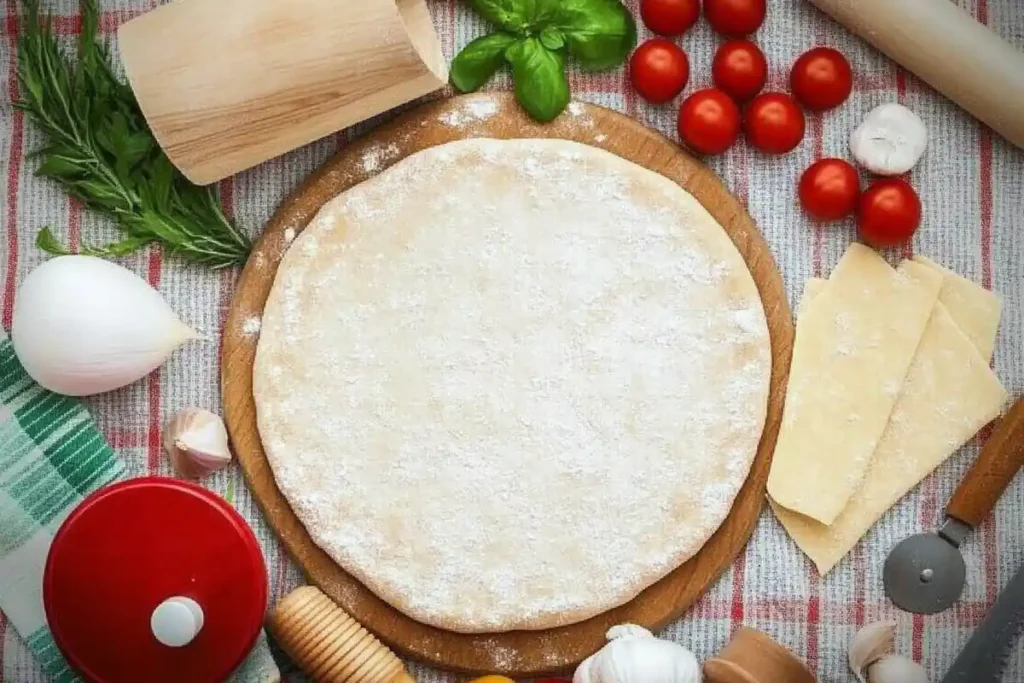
x,y
970,183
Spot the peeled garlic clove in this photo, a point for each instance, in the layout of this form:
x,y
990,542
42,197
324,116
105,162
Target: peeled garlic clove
x,y
896,669
197,443
871,643
890,140
83,326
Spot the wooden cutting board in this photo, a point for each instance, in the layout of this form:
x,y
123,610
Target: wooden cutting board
x,y
519,653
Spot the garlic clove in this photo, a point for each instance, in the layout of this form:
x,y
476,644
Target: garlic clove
x,y
896,669
870,644
83,325
890,140
197,443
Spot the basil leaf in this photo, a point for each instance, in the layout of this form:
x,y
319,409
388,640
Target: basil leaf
x,y
552,38
477,62
510,15
539,76
599,33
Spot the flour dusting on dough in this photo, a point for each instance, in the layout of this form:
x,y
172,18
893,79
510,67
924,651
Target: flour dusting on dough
x,y
549,323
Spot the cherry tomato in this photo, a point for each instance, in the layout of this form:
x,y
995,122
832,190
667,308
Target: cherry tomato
x,y
735,17
740,69
821,78
774,123
888,213
709,121
659,70
670,17
829,189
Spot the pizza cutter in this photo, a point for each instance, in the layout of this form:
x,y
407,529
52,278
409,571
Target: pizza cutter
x,y
926,573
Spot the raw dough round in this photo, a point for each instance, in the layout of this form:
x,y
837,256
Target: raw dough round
x,y
510,384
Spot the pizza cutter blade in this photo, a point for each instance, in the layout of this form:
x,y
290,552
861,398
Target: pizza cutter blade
x,y
926,574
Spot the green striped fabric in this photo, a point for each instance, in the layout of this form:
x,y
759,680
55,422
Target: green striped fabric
x,y
51,457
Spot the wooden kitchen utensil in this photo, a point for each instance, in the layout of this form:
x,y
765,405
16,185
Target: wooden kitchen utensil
x,y
753,657
948,49
926,573
329,645
229,84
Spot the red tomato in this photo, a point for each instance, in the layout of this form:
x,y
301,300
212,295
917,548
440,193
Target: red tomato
x,y
709,121
774,123
821,78
659,70
735,17
670,17
740,69
829,189
889,212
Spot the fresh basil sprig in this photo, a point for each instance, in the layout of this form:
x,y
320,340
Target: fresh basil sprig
x,y
534,36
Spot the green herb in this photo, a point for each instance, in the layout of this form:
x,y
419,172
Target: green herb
x,y
539,75
534,36
100,150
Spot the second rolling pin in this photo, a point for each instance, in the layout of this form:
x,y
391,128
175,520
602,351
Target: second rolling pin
x,y
947,48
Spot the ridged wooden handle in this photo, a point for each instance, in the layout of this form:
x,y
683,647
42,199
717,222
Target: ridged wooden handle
x,y
329,645
1000,459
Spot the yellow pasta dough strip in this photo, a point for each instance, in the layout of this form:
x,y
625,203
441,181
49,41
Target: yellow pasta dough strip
x,y
852,351
950,393
975,309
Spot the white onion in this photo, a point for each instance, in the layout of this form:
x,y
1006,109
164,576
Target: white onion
x,y
83,326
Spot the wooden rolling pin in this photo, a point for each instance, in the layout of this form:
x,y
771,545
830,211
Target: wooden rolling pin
x,y
949,50
329,645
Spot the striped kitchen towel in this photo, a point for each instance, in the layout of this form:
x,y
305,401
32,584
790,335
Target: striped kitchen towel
x,y
51,457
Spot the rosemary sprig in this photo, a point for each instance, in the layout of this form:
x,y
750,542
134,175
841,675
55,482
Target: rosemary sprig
x,y
100,150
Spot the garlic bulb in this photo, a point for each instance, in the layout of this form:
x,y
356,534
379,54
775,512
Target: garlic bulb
x,y
872,660
197,443
83,326
896,669
633,655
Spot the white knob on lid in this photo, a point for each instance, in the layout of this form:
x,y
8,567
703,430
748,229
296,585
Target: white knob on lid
x,y
176,621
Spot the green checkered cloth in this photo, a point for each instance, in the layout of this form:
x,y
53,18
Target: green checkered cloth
x,y
51,457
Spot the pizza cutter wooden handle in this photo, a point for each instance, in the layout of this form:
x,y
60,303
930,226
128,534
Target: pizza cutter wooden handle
x,y
1001,457
948,49
329,645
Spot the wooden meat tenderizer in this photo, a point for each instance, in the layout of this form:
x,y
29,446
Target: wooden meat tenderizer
x,y
753,657
329,645
227,84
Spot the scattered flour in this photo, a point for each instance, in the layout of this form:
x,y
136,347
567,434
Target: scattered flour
x,y
377,155
476,109
251,326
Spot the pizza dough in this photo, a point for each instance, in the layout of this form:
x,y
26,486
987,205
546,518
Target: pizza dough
x,y
510,384
950,393
852,351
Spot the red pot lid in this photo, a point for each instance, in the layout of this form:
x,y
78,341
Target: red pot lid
x,y
145,544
